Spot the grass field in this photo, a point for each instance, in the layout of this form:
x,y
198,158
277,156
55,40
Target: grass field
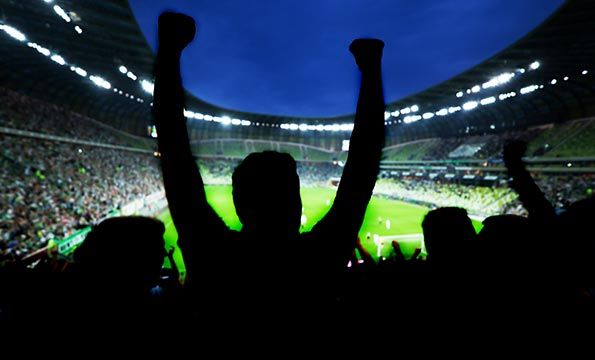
x,y
405,219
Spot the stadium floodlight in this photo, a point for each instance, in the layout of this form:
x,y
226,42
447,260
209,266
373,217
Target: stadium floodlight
x,y
58,59
498,80
245,123
187,113
535,65
454,109
529,89
123,69
412,118
236,122
293,127
346,127
48,1
476,89
210,118
303,127
585,72
40,49
554,82
469,105
131,75
414,108
492,126
199,116
62,13
460,94
12,32
225,120
566,78
80,72
320,127
147,86
395,113
99,81
488,101
507,95
442,112
78,29
405,110
428,115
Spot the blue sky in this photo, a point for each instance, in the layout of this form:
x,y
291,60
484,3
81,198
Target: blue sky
x,y
290,57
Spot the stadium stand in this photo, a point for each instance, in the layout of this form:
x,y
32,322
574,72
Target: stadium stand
x,y
51,189
69,164
21,112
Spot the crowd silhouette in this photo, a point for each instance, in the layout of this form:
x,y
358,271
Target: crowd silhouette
x,y
271,270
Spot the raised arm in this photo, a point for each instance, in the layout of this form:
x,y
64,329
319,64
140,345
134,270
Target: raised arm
x,y
184,188
345,218
539,208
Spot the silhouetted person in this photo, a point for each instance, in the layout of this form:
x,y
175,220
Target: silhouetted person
x,y
448,233
503,257
448,237
547,270
267,254
539,208
501,232
116,266
577,228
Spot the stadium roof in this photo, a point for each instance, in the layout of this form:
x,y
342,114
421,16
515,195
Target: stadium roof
x,y
59,50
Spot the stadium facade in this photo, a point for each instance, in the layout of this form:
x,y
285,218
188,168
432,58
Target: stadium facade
x,y
91,57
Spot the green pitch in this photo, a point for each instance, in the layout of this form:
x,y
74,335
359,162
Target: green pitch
x,y
388,219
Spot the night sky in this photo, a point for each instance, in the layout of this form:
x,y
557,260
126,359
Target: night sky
x,y
290,57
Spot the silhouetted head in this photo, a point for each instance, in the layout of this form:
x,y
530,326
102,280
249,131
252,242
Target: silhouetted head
x,y
266,195
447,232
497,235
504,228
123,253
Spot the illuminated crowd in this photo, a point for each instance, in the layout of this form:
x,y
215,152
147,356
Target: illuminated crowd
x,y
51,189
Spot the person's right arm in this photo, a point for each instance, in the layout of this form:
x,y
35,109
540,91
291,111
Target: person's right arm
x,y
184,187
539,208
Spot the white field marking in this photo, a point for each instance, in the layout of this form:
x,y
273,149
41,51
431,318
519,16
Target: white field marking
x,y
399,237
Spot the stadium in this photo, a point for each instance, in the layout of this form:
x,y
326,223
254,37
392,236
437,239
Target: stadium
x,y
79,143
